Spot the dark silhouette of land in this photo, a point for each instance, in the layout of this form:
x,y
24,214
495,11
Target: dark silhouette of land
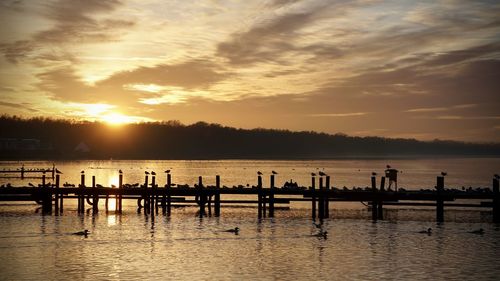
x,y
42,138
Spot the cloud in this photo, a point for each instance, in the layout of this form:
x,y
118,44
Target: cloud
x,y
79,21
132,87
351,114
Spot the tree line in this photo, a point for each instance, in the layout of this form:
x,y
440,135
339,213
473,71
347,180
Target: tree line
x,y
173,140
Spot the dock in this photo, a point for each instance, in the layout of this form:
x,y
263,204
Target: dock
x,y
151,197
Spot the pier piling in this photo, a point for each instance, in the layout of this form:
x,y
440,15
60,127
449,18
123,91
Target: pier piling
x,y
271,197
260,197
321,201
439,199
81,200
120,196
56,195
327,199
217,196
496,201
95,199
374,195
313,197
169,196
380,205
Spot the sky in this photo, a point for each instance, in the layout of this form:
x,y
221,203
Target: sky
x,y
400,69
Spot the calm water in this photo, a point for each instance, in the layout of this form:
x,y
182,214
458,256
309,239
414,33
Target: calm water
x,y
134,246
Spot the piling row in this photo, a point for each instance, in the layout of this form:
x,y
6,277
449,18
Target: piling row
x,y
151,198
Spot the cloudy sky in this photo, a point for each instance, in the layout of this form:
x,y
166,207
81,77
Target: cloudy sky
x,y
412,69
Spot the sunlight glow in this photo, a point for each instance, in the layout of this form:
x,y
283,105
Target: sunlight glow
x,y
117,119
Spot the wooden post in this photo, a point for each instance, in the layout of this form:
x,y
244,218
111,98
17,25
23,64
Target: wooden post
x,y
313,198
271,197
56,195
374,201
201,196
95,197
321,201
380,205
22,172
496,201
46,197
439,199
327,198
61,204
145,196
260,197
152,203
169,196
81,201
217,196
120,196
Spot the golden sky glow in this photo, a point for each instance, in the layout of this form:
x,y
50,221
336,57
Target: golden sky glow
x,y
418,69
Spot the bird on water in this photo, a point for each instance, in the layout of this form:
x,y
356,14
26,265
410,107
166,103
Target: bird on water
x,y
479,231
233,230
428,231
82,233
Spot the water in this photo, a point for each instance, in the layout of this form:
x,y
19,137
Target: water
x,y
135,246
415,173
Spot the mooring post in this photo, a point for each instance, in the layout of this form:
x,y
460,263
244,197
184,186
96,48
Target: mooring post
x,y
22,172
321,200
439,199
46,197
61,204
201,196
260,197
217,195
271,197
152,202
56,195
374,200
145,197
313,197
496,201
380,204
81,200
120,190
327,197
169,196
95,197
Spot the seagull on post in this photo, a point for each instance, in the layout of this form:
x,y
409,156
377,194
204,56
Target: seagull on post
x,y
146,172
274,172
321,173
313,174
259,173
153,173
167,171
444,174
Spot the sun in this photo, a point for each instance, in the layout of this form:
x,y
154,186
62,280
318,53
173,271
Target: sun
x,y
116,119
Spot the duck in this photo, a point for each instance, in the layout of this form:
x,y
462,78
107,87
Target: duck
x,y
428,231
82,233
478,231
233,230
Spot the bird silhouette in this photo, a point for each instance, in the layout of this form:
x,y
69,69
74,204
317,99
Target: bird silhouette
x,y
274,172
444,174
388,166
120,171
233,230
428,231
313,174
259,173
58,172
30,184
82,171
374,174
497,176
153,173
479,231
321,173
82,233
146,172
167,171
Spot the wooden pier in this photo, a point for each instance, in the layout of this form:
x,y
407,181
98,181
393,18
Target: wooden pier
x,y
23,172
151,197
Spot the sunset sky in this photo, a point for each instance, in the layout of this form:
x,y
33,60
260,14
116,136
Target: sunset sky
x,y
412,69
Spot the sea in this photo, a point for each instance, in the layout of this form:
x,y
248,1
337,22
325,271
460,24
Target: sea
x,y
134,245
